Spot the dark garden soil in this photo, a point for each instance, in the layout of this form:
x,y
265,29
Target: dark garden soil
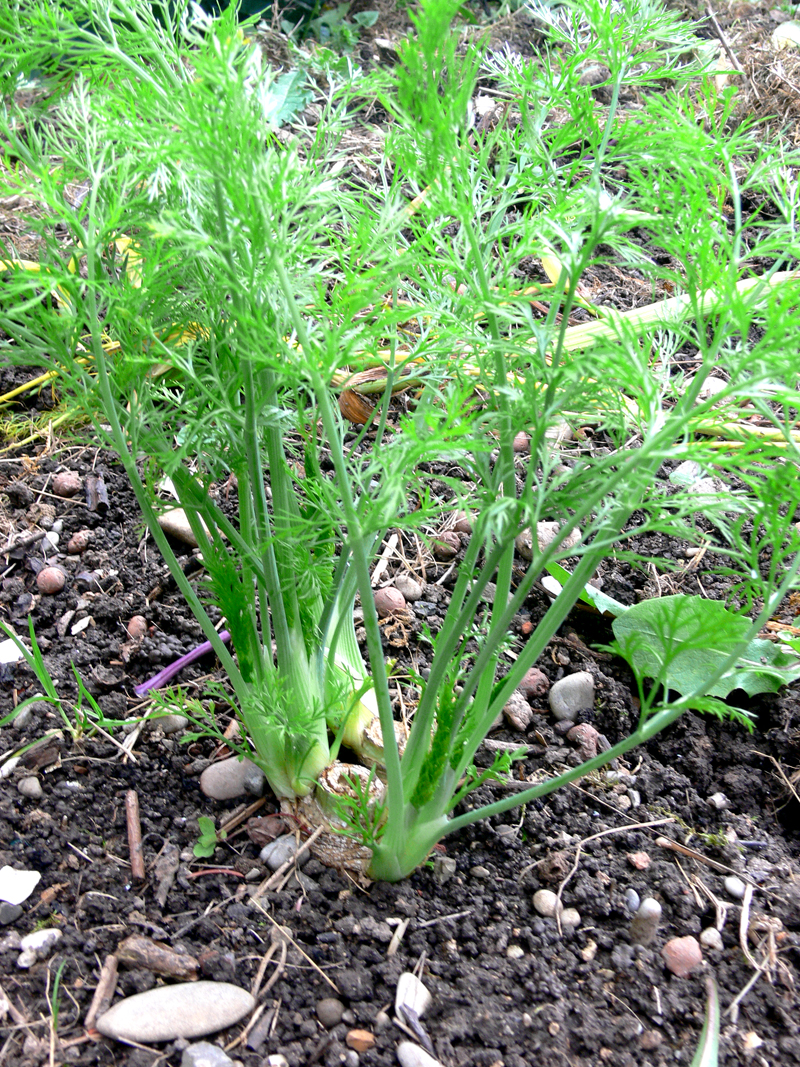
x,y
508,987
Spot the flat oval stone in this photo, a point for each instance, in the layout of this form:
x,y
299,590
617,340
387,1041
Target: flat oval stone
x,y
231,778
173,1011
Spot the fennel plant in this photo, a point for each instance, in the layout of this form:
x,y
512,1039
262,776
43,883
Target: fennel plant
x,y
220,284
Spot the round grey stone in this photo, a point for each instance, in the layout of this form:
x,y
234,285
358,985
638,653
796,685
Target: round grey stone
x,y
30,787
276,853
734,886
329,1012
572,694
231,778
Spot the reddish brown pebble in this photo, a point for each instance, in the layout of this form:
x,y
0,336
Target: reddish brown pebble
x,y
67,483
51,580
526,627
389,601
639,860
360,1040
585,737
463,523
522,442
535,683
682,955
446,545
137,627
79,542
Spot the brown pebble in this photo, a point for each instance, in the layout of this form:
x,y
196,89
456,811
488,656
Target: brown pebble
x,y
650,1039
463,523
585,737
446,545
522,442
535,683
137,627
67,484
51,580
640,861
682,955
389,601
79,542
360,1040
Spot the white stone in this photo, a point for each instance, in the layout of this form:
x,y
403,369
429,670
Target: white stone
x,y
546,534
37,946
734,886
276,853
10,651
571,694
204,1054
411,1055
30,787
686,473
231,778
570,918
190,1009
16,886
408,586
719,801
545,902
175,523
711,938
172,723
515,952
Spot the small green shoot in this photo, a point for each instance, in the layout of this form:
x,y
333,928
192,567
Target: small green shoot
x,y
707,1054
209,837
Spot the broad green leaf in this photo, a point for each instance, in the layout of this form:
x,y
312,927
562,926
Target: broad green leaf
x,y
680,641
285,97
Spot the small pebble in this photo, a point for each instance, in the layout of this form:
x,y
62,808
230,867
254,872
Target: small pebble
x,y
522,442
276,853
411,1055
534,684
711,938
37,946
79,542
570,919
444,867
589,951
410,588
171,724
231,778
545,902
16,886
632,899
50,580
463,522
30,787
682,955
719,801
276,1059
137,627
515,952
734,886
640,861
518,712
446,545
480,872
586,737
380,1022
329,1012
9,913
650,1039
204,1054
389,601
571,694
644,925
67,484
360,1040
175,523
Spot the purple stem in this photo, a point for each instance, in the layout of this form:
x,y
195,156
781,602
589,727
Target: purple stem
x,y
169,672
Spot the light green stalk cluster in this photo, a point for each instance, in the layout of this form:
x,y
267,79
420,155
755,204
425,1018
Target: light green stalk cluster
x,y
258,268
